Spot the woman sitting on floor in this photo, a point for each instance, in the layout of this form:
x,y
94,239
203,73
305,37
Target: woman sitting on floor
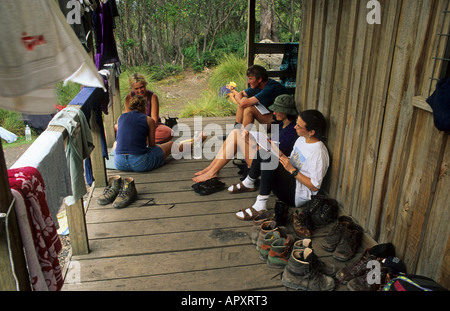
x,y
135,148
284,111
138,85
300,176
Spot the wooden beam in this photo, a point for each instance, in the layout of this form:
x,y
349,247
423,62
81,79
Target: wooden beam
x,y
251,32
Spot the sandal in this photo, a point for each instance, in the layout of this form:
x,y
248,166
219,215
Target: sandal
x,y
209,186
241,188
247,216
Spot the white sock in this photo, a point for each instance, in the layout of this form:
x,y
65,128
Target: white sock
x,y
260,204
248,182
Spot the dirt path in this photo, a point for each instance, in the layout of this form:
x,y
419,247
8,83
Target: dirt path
x,y
177,91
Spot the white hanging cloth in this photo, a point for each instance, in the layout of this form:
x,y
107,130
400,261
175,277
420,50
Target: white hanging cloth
x,y
39,49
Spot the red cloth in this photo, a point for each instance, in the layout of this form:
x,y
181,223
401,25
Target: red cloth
x,y
28,181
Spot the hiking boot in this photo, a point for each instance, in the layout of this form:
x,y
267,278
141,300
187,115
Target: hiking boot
x,y
355,269
126,194
302,272
280,251
302,244
349,243
269,238
266,227
300,228
280,213
111,191
334,236
363,282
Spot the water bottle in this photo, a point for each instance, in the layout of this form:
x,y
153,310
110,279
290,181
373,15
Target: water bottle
x,y
197,146
27,133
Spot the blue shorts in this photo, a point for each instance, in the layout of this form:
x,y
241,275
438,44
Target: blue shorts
x,y
153,158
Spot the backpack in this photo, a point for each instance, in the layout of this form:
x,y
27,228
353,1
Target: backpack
x,y
412,282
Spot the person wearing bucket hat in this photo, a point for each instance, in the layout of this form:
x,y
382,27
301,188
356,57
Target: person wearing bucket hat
x,y
285,113
300,175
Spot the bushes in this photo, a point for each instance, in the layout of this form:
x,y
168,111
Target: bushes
x,y
210,104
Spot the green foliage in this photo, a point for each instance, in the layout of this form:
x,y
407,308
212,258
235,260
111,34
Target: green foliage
x,y
12,121
209,105
231,68
65,94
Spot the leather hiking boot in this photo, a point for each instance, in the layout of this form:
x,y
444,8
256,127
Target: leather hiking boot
x,y
300,228
111,191
349,243
363,282
334,236
302,272
355,269
266,227
280,251
126,194
281,213
267,241
302,244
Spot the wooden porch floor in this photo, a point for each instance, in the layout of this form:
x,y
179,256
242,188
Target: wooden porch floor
x,y
185,242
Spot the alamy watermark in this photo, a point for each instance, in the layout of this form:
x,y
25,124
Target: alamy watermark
x,y
210,149
74,15
374,15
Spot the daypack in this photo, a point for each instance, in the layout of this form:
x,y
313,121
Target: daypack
x,y
411,283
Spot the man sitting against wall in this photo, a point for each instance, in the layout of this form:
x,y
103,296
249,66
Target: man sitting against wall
x,y
253,102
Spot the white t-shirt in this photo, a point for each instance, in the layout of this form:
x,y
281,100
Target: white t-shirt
x,y
312,160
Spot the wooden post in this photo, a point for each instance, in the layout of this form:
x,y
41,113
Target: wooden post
x,y
76,221
7,280
251,32
98,161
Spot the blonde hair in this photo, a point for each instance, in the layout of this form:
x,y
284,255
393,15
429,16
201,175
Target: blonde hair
x,y
135,78
138,103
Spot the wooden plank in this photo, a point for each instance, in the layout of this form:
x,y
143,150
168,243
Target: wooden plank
x,y
306,40
329,56
258,277
418,188
204,207
436,239
270,48
356,116
340,95
381,71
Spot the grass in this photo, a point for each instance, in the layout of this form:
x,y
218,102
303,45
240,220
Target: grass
x,y
210,104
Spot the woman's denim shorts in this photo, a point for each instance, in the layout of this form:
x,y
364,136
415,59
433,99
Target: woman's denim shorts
x,y
153,158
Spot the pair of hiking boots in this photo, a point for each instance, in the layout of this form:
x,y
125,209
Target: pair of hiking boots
x,y
120,192
344,239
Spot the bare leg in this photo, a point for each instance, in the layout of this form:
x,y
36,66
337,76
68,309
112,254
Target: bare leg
x,y
251,113
226,153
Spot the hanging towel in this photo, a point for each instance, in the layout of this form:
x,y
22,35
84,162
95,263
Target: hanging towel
x,y
38,49
37,229
47,155
79,146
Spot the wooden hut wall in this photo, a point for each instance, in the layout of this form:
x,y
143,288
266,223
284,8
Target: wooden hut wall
x,y
390,165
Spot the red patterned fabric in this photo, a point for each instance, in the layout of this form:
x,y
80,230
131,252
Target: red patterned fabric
x,y
29,183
